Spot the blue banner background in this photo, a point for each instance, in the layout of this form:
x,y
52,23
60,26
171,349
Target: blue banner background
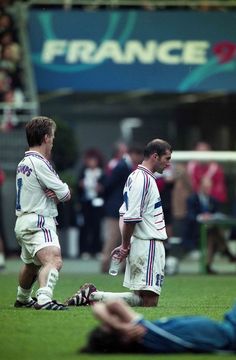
x,y
126,25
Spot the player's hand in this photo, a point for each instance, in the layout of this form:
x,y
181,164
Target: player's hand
x,y
51,194
132,332
120,252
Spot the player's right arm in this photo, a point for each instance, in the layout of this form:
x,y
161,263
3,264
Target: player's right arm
x,y
126,234
53,185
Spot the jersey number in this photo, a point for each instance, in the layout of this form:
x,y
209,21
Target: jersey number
x,y
19,187
125,197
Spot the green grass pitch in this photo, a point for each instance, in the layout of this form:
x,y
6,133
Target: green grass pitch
x,y
30,334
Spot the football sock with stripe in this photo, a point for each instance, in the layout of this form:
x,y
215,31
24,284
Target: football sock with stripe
x,y
44,294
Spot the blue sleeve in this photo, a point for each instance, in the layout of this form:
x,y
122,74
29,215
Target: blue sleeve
x,y
190,334
160,340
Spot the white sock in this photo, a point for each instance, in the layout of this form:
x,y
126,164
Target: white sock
x,y
131,298
53,276
44,295
24,295
2,259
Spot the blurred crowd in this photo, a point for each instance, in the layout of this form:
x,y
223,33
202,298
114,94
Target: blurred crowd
x,y
11,93
148,5
187,191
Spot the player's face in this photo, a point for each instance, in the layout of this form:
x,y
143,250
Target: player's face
x,y
49,142
163,161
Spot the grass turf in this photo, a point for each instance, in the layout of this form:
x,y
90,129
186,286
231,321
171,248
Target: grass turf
x,y
31,334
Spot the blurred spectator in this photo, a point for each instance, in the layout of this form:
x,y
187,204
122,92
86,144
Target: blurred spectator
x,y
120,149
165,183
2,256
11,87
113,195
181,191
201,203
6,22
4,84
91,203
6,38
10,119
211,170
233,213
4,3
10,56
148,5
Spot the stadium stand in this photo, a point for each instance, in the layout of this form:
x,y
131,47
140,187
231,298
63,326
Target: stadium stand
x,y
18,100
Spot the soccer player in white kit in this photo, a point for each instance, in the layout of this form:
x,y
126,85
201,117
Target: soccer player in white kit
x,y
38,190
143,232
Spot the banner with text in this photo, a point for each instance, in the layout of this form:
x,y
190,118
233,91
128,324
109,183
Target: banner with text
x,y
125,50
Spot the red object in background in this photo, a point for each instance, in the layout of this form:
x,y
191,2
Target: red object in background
x,y
2,177
160,183
214,172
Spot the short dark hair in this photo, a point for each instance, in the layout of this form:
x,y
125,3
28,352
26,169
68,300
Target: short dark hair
x,y
158,146
102,341
37,128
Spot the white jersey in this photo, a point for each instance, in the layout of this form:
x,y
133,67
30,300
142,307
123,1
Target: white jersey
x,y
34,175
142,205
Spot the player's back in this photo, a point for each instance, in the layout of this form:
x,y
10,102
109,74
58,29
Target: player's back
x,y
30,195
28,189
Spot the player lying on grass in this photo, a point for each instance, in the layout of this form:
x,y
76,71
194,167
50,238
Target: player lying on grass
x,y
124,331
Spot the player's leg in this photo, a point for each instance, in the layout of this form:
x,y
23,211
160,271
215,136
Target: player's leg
x,y
149,298
211,250
131,298
47,252
27,276
112,239
88,294
29,271
51,263
2,255
145,257
145,270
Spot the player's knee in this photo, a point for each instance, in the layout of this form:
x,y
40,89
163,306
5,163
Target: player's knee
x,y
58,263
150,299
149,302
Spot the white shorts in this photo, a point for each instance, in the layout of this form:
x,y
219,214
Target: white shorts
x,y
145,265
33,233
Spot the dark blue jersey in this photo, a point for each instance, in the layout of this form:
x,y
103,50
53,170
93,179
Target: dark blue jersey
x,y
191,334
